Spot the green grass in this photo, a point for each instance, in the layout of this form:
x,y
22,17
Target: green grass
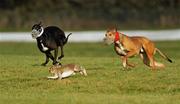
x,y
22,79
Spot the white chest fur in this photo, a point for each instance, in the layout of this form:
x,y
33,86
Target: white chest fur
x,y
43,47
120,49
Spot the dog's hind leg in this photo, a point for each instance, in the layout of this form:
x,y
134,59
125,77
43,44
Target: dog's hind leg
x,y
55,56
159,65
149,52
62,53
152,61
145,59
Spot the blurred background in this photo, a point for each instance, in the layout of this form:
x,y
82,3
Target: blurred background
x,y
20,15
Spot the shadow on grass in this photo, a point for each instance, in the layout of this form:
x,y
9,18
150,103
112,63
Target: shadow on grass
x,y
37,65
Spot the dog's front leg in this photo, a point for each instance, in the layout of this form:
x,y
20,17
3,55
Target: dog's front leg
x,y
125,61
48,55
131,64
62,53
47,60
126,64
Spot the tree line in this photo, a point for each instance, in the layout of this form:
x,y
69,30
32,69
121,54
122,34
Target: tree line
x,y
90,14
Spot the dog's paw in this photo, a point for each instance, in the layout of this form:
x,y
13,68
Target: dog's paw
x,y
127,68
57,63
60,57
43,64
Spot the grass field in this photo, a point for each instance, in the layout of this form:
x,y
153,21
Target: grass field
x,y
22,79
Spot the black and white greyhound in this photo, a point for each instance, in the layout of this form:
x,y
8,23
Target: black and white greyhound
x,y
49,39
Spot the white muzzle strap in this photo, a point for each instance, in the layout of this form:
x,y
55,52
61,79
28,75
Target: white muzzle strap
x,y
36,34
42,31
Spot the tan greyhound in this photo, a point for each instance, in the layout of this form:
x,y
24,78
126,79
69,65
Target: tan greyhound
x,y
126,46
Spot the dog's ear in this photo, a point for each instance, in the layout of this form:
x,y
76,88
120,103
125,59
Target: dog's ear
x,y
114,29
40,23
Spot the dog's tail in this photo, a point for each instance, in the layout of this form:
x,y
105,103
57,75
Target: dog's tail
x,y
66,40
163,55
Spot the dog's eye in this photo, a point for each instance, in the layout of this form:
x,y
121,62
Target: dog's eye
x,y
110,34
105,34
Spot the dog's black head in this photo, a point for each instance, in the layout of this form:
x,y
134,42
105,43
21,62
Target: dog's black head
x,y
37,30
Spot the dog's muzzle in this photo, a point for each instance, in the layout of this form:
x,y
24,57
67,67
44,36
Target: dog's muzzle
x,y
34,33
37,33
107,41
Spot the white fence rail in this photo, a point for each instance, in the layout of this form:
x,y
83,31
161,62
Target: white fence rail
x,y
95,36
